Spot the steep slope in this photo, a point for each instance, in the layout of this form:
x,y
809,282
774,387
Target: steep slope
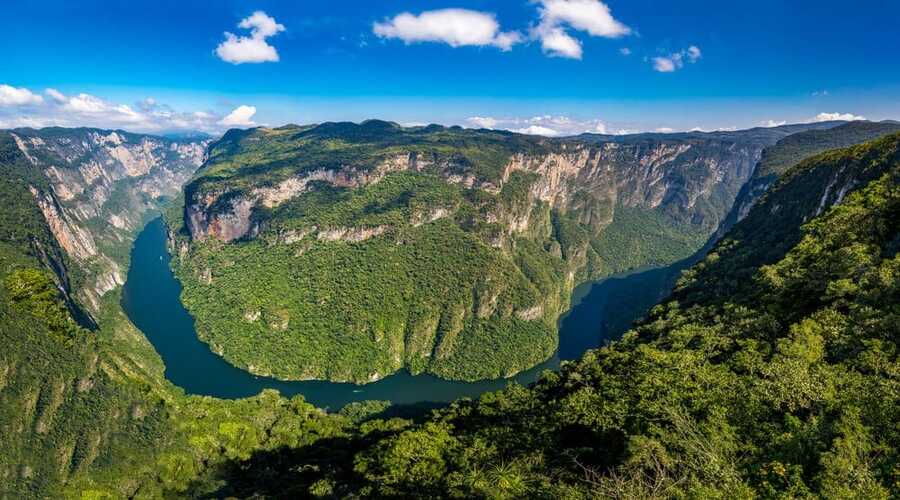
x,y
789,151
94,187
781,384
88,413
347,251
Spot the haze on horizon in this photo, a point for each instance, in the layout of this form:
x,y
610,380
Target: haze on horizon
x,y
546,67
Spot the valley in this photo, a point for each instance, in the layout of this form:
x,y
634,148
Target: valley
x,y
110,370
518,249
150,298
374,248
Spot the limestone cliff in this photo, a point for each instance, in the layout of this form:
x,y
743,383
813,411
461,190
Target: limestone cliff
x,y
382,247
99,186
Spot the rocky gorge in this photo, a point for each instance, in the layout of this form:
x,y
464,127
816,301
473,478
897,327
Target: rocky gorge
x,y
96,187
339,215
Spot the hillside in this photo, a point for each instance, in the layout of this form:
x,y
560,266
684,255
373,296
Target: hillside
x,y
84,412
805,350
789,151
780,381
349,251
93,188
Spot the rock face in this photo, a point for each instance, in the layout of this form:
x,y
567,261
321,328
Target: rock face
x,y
99,184
694,181
791,150
424,245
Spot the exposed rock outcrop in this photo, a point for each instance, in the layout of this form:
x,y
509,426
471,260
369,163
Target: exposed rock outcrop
x,y
98,186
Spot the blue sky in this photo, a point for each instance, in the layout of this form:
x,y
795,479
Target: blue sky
x,y
547,66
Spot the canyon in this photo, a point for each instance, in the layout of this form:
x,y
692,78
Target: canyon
x,y
337,218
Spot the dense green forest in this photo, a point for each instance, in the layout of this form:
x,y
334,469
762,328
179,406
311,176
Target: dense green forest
x,y
422,295
771,372
85,410
352,251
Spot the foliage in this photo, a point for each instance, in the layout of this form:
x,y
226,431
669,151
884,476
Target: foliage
x,y
794,148
351,282
345,310
88,413
782,385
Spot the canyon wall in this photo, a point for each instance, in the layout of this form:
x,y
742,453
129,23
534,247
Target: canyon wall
x,y
98,186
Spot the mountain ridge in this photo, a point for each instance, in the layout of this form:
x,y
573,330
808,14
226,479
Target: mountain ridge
x,y
539,214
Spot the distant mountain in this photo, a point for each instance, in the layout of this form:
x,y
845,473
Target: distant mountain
x,y
771,372
188,135
786,329
790,150
760,135
435,249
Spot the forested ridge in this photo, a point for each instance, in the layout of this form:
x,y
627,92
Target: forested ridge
x,y
770,372
348,252
783,383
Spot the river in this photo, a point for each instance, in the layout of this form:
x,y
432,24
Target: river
x,y
600,311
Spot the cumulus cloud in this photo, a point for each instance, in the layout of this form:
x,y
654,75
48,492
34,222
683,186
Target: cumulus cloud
x,y
254,48
590,16
538,130
463,27
820,93
555,42
455,27
773,123
625,51
12,96
675,61
829,117
83,109
547,125
483,121
241,116
55,95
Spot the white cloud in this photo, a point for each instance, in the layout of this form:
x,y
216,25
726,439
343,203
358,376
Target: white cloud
x,y
254,48
463,27
55,95
557,43
693,53
664,130
87,110
676,60
507,39
85,103
482,121
548,125
590,16
664,64
537,130
820,93
625,51
455,27
261,25
828,117
241,116
12,96
773,123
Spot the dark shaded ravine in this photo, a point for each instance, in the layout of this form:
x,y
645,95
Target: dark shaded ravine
x,y
151,298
